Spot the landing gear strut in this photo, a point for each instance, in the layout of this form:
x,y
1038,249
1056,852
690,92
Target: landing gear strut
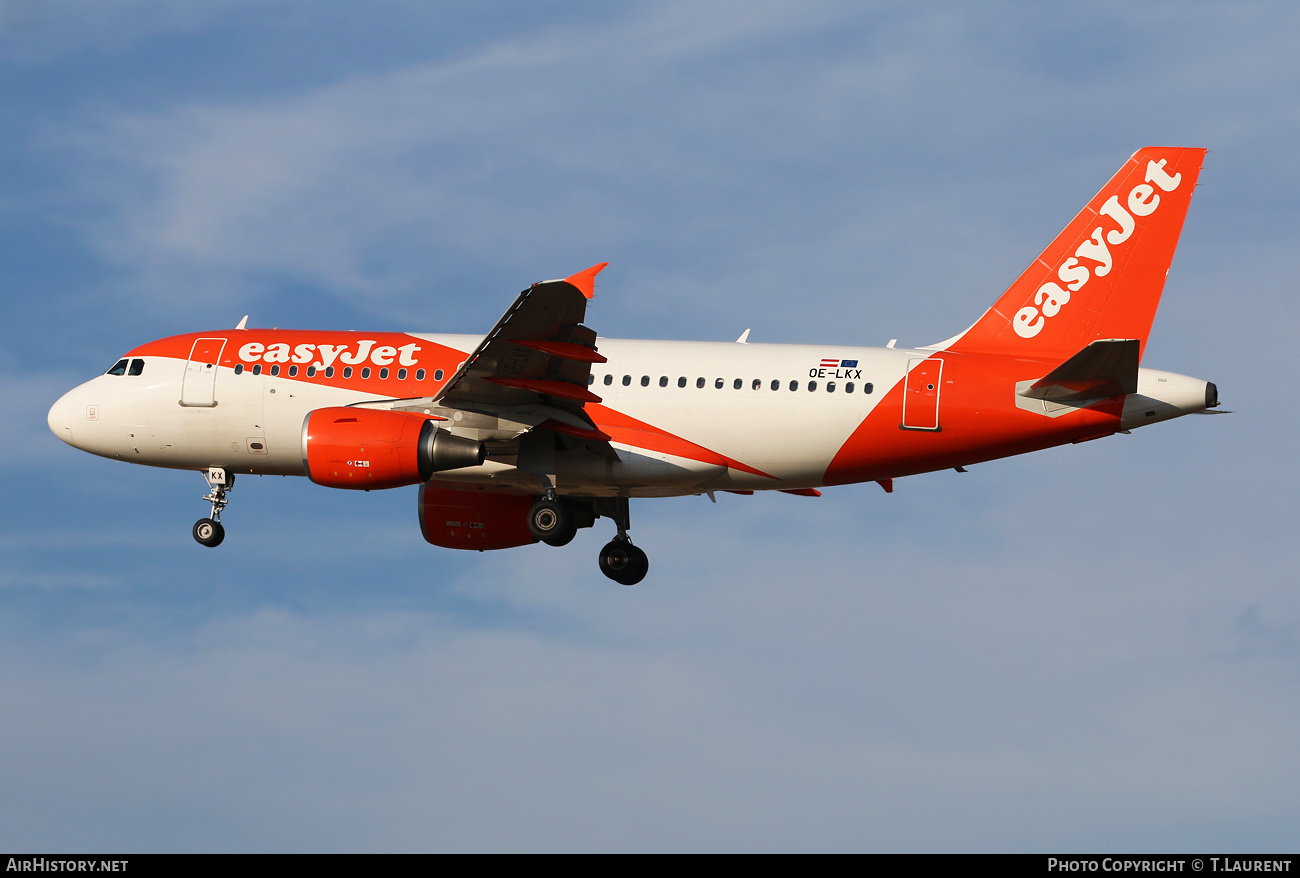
x,y
619,559
208,531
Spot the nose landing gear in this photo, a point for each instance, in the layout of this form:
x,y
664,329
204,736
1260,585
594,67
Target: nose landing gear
x,y
208,531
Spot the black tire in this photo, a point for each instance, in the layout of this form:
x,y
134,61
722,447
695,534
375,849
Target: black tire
x,y
209,533
623,562
552,522
562,539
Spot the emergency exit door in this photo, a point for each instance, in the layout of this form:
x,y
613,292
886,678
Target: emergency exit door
x,y
921,394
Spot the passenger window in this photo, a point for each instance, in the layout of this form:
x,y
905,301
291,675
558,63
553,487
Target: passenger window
x,y
311,371
401,374
137,366
627,379
239,368
776,384
347,371
717,384
866,388
699,382
257,370
119,368
329,371
758,382
293,371
419,374
609,379
591,379
738,383
663,380
848,387
794,385
365,371
681,382
645,380
383,374
275,370
830,386
812,385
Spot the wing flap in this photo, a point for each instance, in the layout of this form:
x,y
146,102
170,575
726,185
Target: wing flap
x,y
561,389
565,350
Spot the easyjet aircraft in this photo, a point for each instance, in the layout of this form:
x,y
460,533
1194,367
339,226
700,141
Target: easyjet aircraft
x,y
541,426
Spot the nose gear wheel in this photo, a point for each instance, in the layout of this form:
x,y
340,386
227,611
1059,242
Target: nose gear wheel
x,y
208,531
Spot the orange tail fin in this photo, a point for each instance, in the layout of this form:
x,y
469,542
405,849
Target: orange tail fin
x,y
1102,277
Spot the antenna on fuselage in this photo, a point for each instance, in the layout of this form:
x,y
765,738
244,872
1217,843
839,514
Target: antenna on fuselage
x,y
241,324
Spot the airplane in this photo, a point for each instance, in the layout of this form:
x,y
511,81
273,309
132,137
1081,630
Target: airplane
x,y
540,427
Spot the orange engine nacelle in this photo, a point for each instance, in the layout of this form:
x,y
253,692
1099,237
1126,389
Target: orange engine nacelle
x,y
473,519
370,448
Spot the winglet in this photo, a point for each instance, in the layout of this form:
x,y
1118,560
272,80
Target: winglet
x,y
585,281
243,323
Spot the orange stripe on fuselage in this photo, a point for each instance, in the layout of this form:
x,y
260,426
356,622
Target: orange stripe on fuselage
x,y
979,421
629,431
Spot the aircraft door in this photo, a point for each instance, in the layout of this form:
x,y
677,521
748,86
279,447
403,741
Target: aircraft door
x,y
921,394
198,387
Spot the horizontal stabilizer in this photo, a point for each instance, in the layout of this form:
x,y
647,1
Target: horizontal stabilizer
x,y
1107,367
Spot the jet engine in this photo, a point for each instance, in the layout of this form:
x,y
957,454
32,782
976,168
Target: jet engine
x,y
474,518
364,449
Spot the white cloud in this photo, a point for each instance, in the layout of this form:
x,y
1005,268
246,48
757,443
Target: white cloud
x,y
716,158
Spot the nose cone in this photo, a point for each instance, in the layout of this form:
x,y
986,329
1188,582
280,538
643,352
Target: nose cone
x,y
60,418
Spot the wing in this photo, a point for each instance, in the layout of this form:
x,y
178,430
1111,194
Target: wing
x,y
539,355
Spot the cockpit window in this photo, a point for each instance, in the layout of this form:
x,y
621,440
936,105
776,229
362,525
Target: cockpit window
x,y
119,368
137,366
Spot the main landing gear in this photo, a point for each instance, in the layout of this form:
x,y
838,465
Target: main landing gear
x,y
552,521
555,521
208,531
619,559
623,562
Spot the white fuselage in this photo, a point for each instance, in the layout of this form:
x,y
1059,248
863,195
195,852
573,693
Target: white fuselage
x,y
780,411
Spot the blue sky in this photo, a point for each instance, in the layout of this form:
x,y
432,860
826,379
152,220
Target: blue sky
x,y
1090,648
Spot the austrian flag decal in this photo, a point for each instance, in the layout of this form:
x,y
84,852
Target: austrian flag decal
x,y
834,367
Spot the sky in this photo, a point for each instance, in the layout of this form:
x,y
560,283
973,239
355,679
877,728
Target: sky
x,y
1091,648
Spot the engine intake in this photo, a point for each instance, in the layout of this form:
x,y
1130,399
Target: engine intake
x,y
367,449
